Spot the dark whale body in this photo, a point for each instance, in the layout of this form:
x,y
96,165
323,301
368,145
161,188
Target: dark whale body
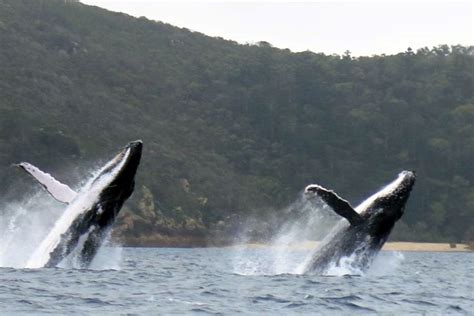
x,y
356,240
85,223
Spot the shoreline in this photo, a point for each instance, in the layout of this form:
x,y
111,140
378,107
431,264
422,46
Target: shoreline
x,y
389,246
307,245
425,246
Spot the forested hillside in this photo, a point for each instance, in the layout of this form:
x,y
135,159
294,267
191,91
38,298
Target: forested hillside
x,y
231,130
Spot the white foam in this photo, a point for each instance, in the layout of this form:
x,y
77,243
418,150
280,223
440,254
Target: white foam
x,y
352,264
345,266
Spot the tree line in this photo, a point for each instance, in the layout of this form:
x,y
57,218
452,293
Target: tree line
x,y
232,130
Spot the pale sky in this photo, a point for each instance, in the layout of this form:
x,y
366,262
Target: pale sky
x,y
362,27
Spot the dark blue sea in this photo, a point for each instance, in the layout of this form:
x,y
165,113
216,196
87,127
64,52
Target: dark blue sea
x,y
138,281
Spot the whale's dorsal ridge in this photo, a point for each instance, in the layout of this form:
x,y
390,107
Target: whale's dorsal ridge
x,y
61,192
338,204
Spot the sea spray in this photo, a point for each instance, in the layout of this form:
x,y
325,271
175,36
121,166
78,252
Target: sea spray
x,y
352,264
290,249
386,263
25,223
351,247
306,221
310,222
109,257
60,241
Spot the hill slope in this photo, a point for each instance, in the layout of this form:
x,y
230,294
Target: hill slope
x,y
232,130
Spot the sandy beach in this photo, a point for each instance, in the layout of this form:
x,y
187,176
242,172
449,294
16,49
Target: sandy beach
x,y
389,246
424,246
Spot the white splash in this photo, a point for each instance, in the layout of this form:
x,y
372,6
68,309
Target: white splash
x,y
281,257
289,246
32,227
86,198
109,257
346,266
386,263
23,224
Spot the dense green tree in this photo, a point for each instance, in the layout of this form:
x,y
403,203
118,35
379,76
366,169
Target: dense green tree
x,y
232,130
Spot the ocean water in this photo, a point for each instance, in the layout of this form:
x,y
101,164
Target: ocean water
x,y
235,280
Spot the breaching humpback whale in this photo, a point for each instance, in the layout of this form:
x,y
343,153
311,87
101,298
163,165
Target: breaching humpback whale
x,y
90,212
357,239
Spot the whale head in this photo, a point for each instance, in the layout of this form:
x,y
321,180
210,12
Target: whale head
x,y
116,181
387,206
392,198
383,208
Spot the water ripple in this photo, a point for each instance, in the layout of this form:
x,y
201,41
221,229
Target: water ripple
x,y
161,281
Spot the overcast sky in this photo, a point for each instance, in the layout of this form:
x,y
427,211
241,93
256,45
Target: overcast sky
x,y
362,27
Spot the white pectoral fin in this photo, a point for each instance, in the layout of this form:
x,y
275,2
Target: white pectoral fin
x,y
58,190
338,204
